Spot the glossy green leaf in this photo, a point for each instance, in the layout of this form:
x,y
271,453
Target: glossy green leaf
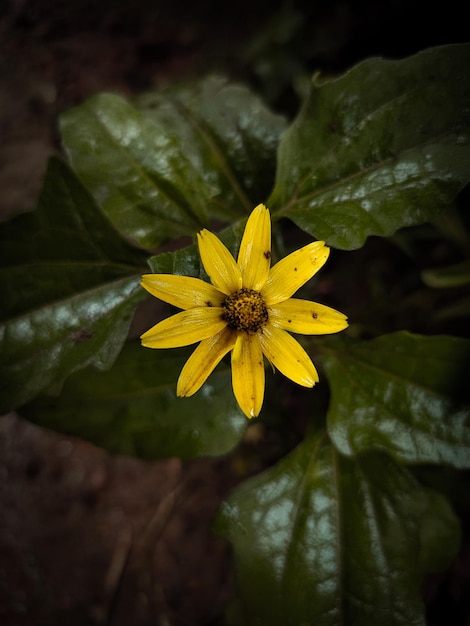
x,y
184,262
133,409
69,286
382,147
403,393
161,171
135,170
187,262
228,134
320,540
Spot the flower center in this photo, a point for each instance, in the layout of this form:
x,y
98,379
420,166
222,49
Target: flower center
x,y
245,310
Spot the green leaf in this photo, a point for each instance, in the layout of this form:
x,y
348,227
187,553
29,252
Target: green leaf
x,y
403,393
460,308
184,262
69,286
321,540
135,170
187,262
161,172
382,147
133,409
452,276
228,134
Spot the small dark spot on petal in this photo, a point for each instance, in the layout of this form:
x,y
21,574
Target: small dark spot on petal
x,y
314,315
290,321
267,254
295,269
209,303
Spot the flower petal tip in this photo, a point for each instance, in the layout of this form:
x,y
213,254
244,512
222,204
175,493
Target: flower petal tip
x,y
144,281
261,208
249,413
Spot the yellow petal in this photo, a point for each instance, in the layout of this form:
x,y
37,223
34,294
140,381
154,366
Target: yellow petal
x,y
184,292
288,356
254,256
219,263
248,374
185,328
308,318
290,273
203,360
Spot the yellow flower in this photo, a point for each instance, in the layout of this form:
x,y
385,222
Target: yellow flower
x,y
247,310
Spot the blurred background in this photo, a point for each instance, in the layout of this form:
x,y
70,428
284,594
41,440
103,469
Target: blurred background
x,y
87,538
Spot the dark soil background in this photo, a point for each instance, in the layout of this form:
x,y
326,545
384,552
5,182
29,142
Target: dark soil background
x,y
87,538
